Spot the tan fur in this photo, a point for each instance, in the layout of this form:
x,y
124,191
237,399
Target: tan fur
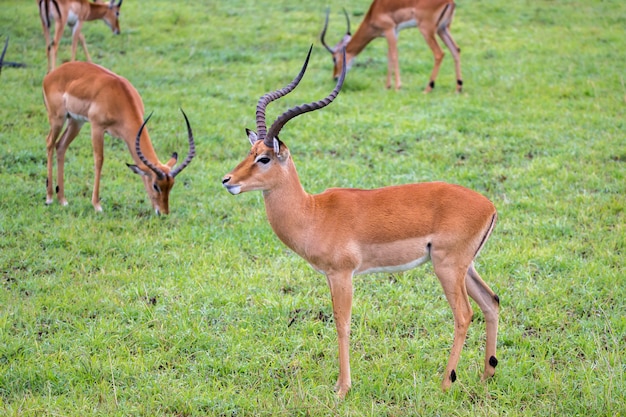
x,y
82,92
342,232
82,11
386,18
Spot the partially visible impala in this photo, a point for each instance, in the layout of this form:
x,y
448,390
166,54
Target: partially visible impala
x,y
344,231
4,51
386,18
74,13
79,92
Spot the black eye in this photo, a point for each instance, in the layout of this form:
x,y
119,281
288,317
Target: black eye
x,y
156,188
264,160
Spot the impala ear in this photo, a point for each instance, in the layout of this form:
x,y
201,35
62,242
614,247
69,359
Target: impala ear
x,y
172,160
276,143
280,150
252,136
136,169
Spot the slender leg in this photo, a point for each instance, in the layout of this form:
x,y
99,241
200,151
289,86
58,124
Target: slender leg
x,y
97,140
56,125
73,127
76,36
59,25
393,65
82,41
46,28
489,303
452,279
341,291
446,36
429,35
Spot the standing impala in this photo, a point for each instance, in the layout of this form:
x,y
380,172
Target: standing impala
x,y
74,13
82,92
386,18
344,231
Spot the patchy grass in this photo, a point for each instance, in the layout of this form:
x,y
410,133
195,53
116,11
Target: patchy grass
x,y
205,312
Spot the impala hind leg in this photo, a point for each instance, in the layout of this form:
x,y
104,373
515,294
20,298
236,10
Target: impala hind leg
x,y
73,127
341,292
446,37
56,125
452,279
489,303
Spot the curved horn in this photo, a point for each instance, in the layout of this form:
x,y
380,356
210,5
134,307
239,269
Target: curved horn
x,y
269,97
192,149
328,48
4,51
160,174
347,21
305,108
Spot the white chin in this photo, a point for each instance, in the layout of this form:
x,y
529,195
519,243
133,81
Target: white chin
x,y
234,189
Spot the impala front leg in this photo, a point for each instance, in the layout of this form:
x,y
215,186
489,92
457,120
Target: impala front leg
x,y
56,125
340,284
97,140
393,65
76,36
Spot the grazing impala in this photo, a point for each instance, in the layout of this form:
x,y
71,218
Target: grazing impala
x,y
343,231
74,13
386,18
82,92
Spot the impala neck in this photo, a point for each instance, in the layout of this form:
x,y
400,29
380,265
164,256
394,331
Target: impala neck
x,y
363,36
288,207
97,11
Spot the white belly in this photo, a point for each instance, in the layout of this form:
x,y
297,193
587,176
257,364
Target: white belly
x,y
407,24
396,268
72,18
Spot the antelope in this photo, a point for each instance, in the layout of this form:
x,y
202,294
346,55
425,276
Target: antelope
x,y
346,231
74,13
82,92
386,18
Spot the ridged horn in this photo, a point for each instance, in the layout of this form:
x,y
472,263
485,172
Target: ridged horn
x,y
192,148
160,174
323,34
305,108
269,97
4,51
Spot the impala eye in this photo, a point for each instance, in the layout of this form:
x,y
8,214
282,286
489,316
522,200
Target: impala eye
x,y
264,160
156,188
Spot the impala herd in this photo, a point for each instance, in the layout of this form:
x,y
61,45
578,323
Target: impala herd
x,y
340,232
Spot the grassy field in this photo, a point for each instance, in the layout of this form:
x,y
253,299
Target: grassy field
x,y
205,312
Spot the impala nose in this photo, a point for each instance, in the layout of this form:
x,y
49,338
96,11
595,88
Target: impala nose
x,y
225,180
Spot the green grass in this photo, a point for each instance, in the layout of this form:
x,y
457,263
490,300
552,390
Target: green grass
x,y
205,312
